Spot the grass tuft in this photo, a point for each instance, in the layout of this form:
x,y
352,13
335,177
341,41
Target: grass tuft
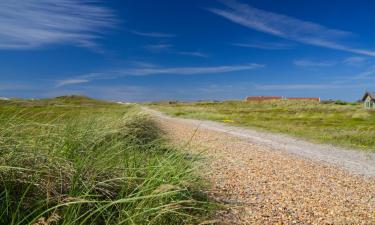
x,y
62,162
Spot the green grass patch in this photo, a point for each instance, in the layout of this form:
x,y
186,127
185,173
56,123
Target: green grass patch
x,y
334,123
75,160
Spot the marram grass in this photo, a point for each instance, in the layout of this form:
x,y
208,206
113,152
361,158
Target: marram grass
x,y
81,161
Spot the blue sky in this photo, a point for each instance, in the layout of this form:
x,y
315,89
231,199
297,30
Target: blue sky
x,y
186,50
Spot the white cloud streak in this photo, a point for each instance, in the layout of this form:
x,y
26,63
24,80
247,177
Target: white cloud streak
x,y
33,23
61,83
264,45
149,71
196,54
169,48
190,70
354,60
156,48
368,74
153,34
309,63
286,27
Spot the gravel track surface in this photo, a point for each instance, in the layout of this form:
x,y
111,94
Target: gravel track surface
x,y
261,183
356,161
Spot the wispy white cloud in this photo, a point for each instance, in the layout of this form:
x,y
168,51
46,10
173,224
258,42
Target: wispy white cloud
x,y
61,83
34,23
189,70
153,34
158,47
310,63
367,74
196,54
354,60
286,27
351,61
263,45
149,71
169,48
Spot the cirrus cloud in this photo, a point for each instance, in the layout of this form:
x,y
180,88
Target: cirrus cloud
x,y
155,70
287,27
153,34
34,23
310,63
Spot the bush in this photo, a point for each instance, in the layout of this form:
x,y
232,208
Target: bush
x,y
340,102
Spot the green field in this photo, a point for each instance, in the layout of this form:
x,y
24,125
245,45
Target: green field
x,y
335,123
74,160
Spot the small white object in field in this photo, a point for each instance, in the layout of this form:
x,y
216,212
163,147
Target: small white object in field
x,y
124,103
4,98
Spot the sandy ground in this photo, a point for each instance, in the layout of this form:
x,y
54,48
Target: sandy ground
x,y
262,182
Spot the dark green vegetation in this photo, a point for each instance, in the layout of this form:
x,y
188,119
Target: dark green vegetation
x,y
74,160
337,123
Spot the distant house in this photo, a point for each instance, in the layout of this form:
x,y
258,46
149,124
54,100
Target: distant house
x,y
369,100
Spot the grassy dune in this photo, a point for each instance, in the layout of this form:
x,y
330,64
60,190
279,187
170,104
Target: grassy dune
x,y
335,123
75,160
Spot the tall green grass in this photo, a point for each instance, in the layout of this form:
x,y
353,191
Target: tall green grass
x,y
82,161
334,123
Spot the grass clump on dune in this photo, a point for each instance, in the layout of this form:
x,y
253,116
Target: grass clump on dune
x,y
63,162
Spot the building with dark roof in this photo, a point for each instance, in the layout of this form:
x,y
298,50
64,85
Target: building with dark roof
x,y
369,100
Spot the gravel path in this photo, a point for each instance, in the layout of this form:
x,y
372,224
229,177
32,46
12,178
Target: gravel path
x,y
262,184
358,162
